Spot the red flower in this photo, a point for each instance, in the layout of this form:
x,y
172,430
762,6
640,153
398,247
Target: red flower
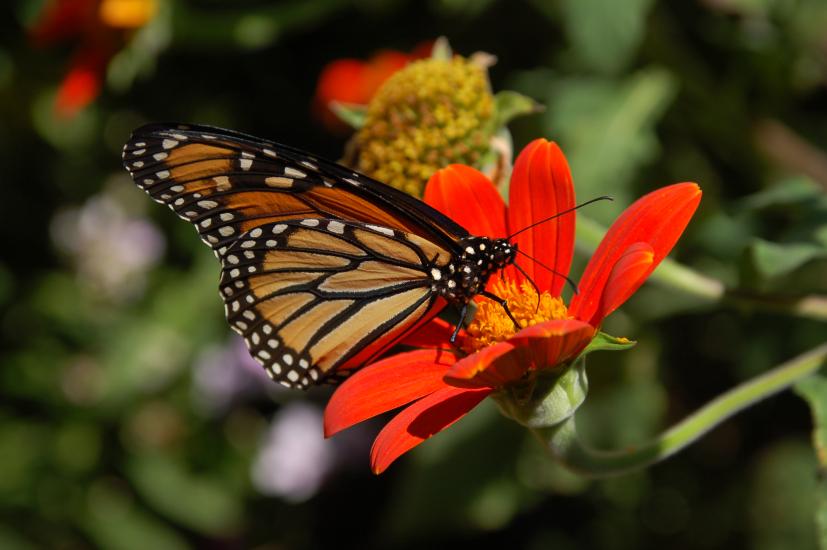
x,y
355,81
101,27
442,383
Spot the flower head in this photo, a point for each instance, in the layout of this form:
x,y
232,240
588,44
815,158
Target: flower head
x,y
427,115
355,82
440,383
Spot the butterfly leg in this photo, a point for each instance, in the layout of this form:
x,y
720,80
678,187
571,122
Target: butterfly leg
x,y
462,313
504,303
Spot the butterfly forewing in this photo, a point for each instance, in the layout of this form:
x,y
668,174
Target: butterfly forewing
x,y
316,297
227,184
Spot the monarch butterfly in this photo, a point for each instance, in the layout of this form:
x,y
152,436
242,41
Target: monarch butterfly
x,y
322,268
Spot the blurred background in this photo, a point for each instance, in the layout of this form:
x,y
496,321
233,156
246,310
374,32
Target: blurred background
x,y
131,417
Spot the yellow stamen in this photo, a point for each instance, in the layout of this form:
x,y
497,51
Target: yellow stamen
x,y
491,323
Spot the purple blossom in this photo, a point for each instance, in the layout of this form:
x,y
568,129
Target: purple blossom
x,y
226,374
110,249
294,458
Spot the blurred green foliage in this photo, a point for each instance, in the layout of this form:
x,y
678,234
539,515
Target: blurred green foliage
x,y
129,418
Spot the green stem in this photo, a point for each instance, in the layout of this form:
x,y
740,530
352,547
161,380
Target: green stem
x,y
671,273
564,445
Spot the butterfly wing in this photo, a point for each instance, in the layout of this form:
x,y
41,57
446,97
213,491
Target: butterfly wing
x,y
226,183
317,297
322,268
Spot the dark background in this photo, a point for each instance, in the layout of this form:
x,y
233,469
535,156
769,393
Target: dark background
x,y
131,418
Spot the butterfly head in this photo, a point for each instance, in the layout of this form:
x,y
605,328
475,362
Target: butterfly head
x,y
466,277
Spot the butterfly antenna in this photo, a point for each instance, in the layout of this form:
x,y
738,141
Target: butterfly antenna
x,y
558,214
570,282
533,284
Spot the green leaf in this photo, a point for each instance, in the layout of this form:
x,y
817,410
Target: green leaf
x,y
197,502
459,481
789,191
814,391
607,128
772,260
115,522
508,105
604,34
608,342
782,498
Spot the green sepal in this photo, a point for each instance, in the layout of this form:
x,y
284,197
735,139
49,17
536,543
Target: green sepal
x,y
607,342
352,114
547,398
508,105
442,49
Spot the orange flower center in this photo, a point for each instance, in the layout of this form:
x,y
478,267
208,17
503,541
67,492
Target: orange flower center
x,y
492,324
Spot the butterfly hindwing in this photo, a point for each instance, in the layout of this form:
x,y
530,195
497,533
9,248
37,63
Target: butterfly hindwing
x,y
316,297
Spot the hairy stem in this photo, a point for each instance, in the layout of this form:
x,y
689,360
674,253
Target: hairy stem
x,y
565,446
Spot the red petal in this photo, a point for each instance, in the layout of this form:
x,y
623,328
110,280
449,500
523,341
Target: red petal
x,y
491,367
540,187
547,345
469,198
82,83
436,333
385,385
420,421
658,219
630,271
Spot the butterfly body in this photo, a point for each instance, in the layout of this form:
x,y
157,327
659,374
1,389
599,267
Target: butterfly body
x,y
323,268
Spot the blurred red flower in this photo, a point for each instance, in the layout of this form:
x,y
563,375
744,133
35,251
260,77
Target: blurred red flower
x,y
355,81
442,382
101,28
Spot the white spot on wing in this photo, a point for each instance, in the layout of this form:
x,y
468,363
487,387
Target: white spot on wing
x,y
380,229
288,171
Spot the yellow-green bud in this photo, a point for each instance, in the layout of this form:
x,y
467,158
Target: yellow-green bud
x,y
432,113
